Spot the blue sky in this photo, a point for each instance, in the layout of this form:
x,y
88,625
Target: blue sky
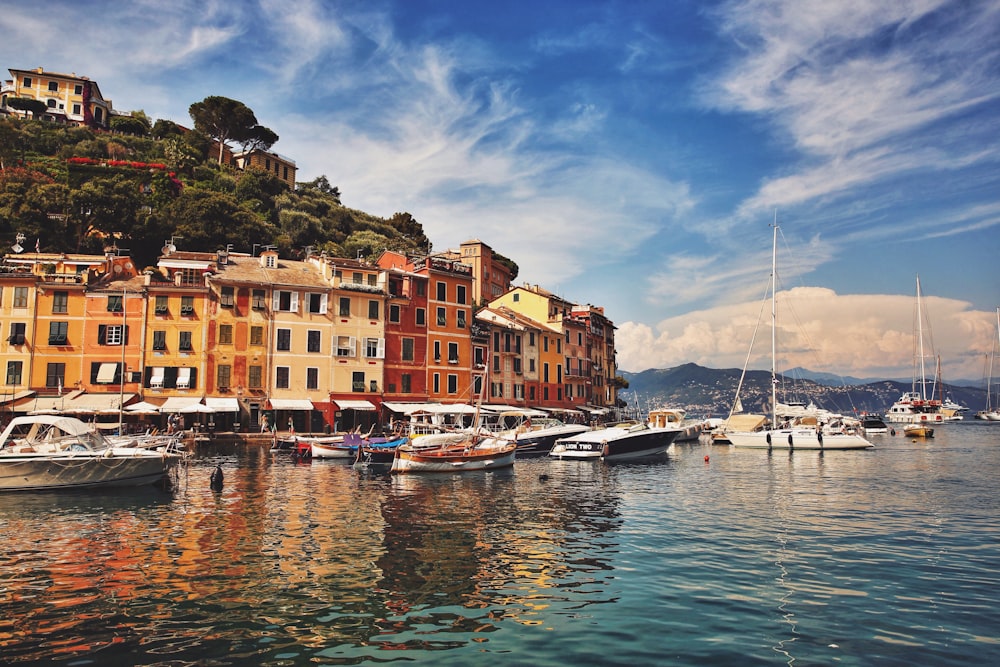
x,y
631,155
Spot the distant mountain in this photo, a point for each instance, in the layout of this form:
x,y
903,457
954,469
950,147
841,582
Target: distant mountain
x,y
708,391
834,380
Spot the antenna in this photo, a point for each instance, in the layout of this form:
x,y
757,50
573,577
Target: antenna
x,y
17,247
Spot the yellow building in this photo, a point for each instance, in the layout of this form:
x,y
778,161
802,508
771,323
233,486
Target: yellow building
x,y
176,331
68,98
280,166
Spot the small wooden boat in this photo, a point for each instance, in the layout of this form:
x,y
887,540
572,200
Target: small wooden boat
x,y
473,454
918,431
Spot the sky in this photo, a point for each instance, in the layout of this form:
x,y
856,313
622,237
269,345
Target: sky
x,y
632,155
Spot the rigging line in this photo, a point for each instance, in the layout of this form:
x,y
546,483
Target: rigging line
x,y
753,340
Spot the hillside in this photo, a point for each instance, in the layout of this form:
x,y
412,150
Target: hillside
x,y
708,391
76,189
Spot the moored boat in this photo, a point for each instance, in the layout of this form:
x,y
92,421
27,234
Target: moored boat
x,y
55,452
873,424
918,431
676,418
622,442
475,453
535,436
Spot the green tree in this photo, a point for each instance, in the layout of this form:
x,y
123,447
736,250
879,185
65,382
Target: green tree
x,y
258,138
35,107
130,125
223,119
209,220
165,128
104,210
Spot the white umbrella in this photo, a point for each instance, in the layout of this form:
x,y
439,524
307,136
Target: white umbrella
x,y
142,407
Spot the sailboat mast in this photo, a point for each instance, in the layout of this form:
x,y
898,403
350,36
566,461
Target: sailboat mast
x,y
920,345
774,325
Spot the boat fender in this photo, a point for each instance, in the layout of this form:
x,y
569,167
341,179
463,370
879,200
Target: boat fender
x,y
790,443
768,438
819,436
605,450
217,478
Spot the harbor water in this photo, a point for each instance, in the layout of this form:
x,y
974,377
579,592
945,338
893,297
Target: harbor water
x,y
710,555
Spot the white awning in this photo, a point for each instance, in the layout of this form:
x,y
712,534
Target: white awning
x,y
355,405
447,409
96,402
106,373
405,408
7,398
156,378
223,404
184,378
177,403
291,404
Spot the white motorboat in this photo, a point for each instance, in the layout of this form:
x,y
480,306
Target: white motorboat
x,y
51,452
676,418
626,441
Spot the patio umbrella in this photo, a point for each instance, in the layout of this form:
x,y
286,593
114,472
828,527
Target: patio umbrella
x,y
142,408
196,408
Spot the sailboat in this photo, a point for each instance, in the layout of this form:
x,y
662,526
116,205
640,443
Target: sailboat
x,y
473,452
799,436
916,406
992,411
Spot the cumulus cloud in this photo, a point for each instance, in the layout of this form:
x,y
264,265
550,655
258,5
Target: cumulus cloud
x,y
818,329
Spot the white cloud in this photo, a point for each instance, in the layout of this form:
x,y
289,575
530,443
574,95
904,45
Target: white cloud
x,y
820,330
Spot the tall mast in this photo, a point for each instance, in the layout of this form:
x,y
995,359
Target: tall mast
x,y
920,343
774,325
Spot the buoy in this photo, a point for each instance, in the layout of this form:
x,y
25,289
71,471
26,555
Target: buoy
x,y
217,478
543,477
706,458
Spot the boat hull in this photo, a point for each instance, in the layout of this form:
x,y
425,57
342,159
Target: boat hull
x,y
84,470
791,439
532,445
456,458
615,444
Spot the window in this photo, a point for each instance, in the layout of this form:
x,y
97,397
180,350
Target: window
x,y
452,353
53,87
313,339
55,375
16,333
159,340
358,382
496,341
420,317
191,277
225,334
452,383
184,341
316,303
76,109
187,305
281,375
271,261
517,297
436,383
20,297
405,383
285,301
26,82
105,372
227,297
461,319
517,365
375,348
312,378
223,376
161,305
78,89
14,372
259,300
478,354
442,291
60,302
254,374
284,342
437,351
394,313
112,335
373,310
496,363
58,331
460,293
345,306
357,278
442,318
345,346
256,335
407,349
